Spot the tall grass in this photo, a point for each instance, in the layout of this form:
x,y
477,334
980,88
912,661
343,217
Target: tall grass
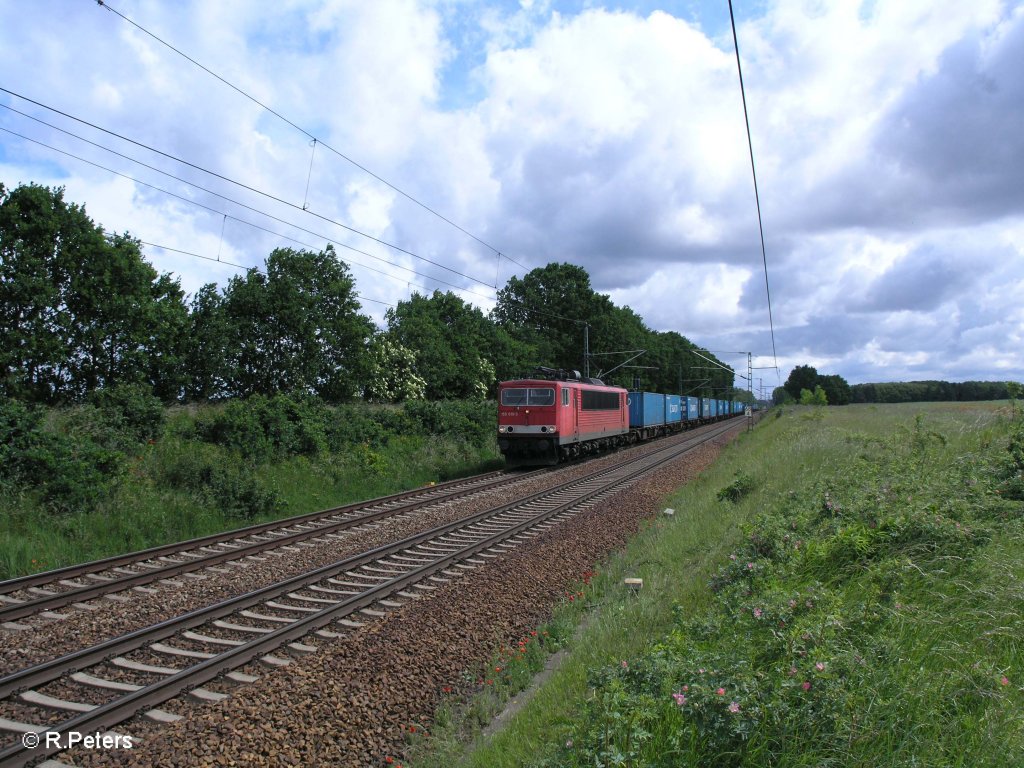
x,y
183,484
842,588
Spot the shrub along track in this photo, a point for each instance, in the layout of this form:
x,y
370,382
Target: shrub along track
x,y
357,695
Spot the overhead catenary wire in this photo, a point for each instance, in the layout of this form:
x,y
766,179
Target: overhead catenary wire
x,y
246,187
328,147
757,197
222,197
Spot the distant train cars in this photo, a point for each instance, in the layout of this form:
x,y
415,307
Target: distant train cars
x,y
560,415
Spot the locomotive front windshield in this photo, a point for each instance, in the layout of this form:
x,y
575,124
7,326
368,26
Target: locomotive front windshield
x,y
528,396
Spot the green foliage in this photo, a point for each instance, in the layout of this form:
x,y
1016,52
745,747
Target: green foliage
x,y
930,391
261,428
474,421
134,408
546,311
817,397
80,310
220,478
454,344
737,489
295,328
66,471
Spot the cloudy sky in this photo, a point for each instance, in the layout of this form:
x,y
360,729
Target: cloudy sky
x,y
888,136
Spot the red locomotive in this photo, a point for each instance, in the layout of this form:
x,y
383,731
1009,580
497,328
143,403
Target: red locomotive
x,y
547,420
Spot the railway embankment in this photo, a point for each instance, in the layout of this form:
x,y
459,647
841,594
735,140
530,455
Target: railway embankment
x,y
841,587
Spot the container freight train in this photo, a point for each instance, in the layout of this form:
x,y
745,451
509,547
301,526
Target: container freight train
x,y
561,415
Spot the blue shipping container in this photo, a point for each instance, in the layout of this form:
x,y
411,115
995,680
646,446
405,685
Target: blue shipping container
x,y
692,408
706,410
646,409
673,409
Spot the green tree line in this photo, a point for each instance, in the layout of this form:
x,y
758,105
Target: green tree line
x,y
836,391
82,311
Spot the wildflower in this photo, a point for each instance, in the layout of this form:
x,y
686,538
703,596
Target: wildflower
x,y
1004,680
389,759
792,671
792,603
720,691
700,671
732,556
568,743
750,566
757,613
624,664
820,666
734,707
680,698
412,729
686,688
806,685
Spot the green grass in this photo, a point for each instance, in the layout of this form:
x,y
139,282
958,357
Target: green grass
x,y
882,543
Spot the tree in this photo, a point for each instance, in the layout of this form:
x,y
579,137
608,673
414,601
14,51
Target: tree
x,y
800,378
456,345
548,308
296,328
836,389
81,310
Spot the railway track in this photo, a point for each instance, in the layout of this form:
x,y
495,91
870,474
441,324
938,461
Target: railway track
x,y
287,618
51,590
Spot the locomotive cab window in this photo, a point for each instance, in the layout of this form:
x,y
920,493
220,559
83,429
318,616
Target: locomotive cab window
x,y
600,401
528,396
565,397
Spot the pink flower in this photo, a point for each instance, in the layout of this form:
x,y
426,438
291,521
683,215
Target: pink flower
x,y
734,707
792,671
757,613
700,671
686,688
1004,680
750,566
732,556
680,698
720,691
807,685
820,667
625,665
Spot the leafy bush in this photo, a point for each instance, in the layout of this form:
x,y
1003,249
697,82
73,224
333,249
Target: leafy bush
x,y
473,420
737,489
218,477
262,428
68,471
134,408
